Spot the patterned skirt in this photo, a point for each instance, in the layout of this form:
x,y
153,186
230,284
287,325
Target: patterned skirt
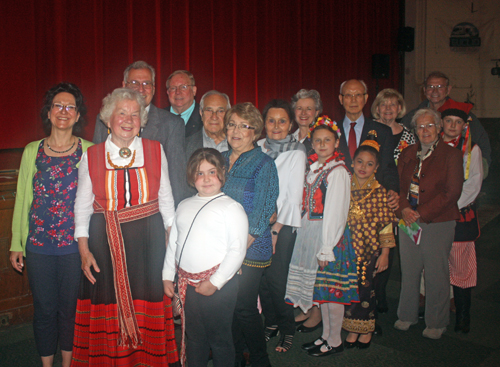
x,y
463,264
96,325
338,281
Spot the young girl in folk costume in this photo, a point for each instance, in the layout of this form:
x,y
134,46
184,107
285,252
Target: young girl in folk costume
x,y
370,222
207,246
323,241
462,260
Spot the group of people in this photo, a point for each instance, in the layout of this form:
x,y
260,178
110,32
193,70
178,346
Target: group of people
x,y
188,209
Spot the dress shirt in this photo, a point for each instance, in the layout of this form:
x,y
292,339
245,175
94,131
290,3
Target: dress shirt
x,y
85,196
218,236
186,114
208,142
295,134
358,128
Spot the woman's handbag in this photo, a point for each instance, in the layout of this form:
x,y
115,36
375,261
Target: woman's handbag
x,y
467,228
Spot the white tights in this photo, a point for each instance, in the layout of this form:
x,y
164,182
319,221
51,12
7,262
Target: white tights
x,y
333,315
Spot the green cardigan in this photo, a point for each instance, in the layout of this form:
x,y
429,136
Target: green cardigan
x,y
24,195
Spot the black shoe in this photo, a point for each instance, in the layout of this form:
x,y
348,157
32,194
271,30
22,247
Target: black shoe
x,y
312,345
363,345
298,323
305,329
349,345
421,314
378,330
330,350
270,332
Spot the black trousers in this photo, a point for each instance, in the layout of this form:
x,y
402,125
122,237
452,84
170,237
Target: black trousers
x,y
247,323
54,282
273,285
209,325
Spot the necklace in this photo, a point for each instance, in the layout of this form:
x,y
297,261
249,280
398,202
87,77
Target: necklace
x,y
121,167
63,151
355,209
125,152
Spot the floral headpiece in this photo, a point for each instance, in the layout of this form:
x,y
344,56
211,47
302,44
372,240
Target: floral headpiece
x,y
324,120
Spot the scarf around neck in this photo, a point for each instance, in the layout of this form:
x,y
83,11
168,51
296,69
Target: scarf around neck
x,y
276,147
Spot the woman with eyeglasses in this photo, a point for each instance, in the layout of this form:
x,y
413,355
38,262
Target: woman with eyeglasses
x,y
431,178
43,222
251,180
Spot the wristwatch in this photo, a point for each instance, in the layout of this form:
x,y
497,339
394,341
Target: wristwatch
x,y
274,233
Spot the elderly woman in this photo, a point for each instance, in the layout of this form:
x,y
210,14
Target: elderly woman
x,y
307,106
290,158
431,177
124,208
388,106
251,180
43,226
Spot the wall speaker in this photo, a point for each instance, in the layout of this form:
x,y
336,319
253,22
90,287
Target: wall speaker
x,y
380,66
406,39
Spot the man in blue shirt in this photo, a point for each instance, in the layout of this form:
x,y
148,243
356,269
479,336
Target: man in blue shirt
x,y
181,90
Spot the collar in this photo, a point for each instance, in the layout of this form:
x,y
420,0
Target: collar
x,y
360,122
114,154
186,115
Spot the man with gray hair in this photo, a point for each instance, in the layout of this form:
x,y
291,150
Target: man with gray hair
x,y
354,128
213,107
437,88
181,90
161,126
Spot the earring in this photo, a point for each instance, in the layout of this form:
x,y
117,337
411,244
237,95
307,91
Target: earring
x,y
109,132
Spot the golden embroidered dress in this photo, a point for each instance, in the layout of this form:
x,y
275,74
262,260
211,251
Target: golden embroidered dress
x,y
370,221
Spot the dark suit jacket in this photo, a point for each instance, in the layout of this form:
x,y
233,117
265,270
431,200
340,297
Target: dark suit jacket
x,y
194,123
194,142
441,181
168,129
387,173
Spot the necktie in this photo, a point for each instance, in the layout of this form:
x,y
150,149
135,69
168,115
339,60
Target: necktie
x,y
352,140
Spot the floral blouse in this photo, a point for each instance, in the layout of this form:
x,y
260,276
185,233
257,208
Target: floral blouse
x,y
52,226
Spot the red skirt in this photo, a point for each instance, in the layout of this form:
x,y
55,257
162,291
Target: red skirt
x,y
96,325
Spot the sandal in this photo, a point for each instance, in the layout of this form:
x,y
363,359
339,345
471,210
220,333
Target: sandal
x,y
270,332
285,343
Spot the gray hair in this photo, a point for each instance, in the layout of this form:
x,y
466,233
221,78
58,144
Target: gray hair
x,y
139,65
384,95
121,94
214,93
361,81
177,72
311,93
436,116
437,74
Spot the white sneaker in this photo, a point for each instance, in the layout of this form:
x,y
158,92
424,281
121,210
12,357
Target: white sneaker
x,y
433,333
403,325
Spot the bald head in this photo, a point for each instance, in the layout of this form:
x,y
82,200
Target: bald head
x,y
353,96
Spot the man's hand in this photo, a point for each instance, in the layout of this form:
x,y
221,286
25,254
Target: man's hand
x,y
393,199
410,216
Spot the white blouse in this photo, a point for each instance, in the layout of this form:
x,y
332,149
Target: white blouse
x,y
337,200
472,186
291,167
218,236
85,196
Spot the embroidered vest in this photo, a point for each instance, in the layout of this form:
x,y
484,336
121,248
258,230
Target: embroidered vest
x,y
115,189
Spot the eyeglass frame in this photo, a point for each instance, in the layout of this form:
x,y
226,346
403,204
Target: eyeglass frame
x,y
61,106
232,126
183,88
350,96
136,85
434,87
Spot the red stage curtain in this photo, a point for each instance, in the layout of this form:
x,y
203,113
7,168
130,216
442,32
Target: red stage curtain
x,y
252,50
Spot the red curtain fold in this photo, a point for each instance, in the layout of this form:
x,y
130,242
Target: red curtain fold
x,y
252,50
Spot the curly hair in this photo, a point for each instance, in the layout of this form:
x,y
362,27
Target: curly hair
x,y
48,99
